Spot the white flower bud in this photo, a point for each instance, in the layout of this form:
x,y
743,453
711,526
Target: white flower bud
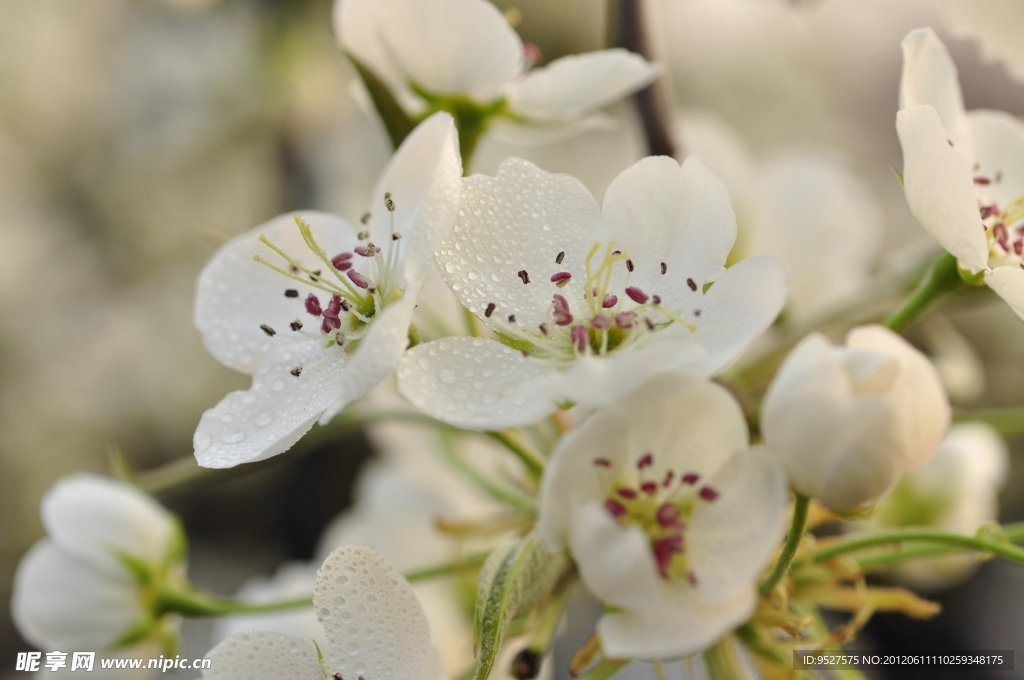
x,y
847,422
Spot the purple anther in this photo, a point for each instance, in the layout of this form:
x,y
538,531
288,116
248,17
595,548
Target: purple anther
x,y
341,261
369,250
668,515
561,278
609,301
637,295
690,478
692,578
982,180
602,462
543,329
625,319
579,337
649,488
334,306
669,476
1001,235
312,305
489,310
615,508
665,550
358,278
692,284
664,268
1018,246
523,276
330,322
989,210
707,493
601,322
626,492
656,299
646,460
562,315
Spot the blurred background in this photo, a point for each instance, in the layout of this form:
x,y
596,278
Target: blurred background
x,y
138,135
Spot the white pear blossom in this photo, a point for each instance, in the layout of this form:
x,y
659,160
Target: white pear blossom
x,y
373,624
849,421
588,302
74,589
427,51
323,313
955,491
963,171
995,24
802,204
669,515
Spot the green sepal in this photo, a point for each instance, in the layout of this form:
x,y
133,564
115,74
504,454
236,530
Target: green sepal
x,y
139,568
512,581
968,277
396,121
137,632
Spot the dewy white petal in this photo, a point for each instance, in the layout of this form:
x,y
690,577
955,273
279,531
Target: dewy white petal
x,y
424,180
1008,283
357,589
995,24
496,236
235,296
732,540
999,141
660,211
475,383
62,602
92,517
930,78
274,413
263,656
358,25
735,311
447,47
939,186
575,85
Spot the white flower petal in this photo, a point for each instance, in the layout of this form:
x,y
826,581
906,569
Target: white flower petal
x,y
677,625
274,413
1008,283
571,479
446,47
615,562
263,656
61,602
925,424
995,24
939,186
377,354
659,211
999,141
735,311
424,178
930,78
358,25
575,85
358,592
820,219
475,384
91,517
235,296
731,539
519,220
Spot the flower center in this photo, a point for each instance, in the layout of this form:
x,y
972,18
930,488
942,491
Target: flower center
x,y
660,505
1004,227
348,299
610,320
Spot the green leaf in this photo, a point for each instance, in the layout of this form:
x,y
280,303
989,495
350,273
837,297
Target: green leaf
x,y
396,121
513,580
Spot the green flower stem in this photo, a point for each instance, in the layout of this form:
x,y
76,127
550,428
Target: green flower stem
x,y
723,661
496,491
1000,547
605,669
184,471
450,569
796,533
1013,533
1006,420
941,278
532,459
